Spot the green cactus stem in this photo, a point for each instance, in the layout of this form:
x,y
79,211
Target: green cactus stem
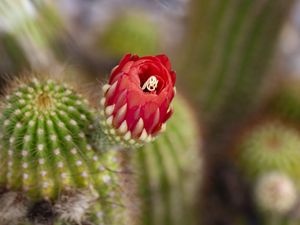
x,y
46,152
168,171
230,44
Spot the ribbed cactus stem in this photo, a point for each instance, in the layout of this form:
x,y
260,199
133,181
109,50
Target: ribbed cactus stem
x,y
167,171
46,152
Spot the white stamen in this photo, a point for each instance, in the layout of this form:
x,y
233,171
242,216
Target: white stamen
x,y
151,84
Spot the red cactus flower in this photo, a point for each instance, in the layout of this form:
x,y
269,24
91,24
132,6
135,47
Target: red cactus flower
x,y
136,103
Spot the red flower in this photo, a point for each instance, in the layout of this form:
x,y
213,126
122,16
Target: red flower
x,y
137,98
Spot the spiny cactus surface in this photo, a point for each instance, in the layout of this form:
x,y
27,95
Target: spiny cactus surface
x,y
46,152
168,171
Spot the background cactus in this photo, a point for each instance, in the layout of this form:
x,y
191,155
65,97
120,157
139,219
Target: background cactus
x,y
131,32
267,146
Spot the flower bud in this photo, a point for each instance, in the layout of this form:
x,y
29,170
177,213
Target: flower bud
x,y
137,98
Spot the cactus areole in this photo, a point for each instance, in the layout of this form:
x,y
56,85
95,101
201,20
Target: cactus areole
x,y
137,98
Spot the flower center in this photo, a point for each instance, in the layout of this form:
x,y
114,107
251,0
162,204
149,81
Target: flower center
x,y
150,85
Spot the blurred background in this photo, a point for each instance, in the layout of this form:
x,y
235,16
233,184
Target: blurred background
x,y
237,63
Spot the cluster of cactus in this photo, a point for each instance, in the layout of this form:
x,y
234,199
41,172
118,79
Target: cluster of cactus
x,y
228,51
50,159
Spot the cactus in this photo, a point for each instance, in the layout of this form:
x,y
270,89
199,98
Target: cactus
x,y
230,47
50,161
46,152
267,146
275,193
230,44
131,32
168,168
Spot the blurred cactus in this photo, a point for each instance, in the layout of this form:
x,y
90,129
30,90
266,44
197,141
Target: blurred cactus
x,y
231,43
131,32
275,193
226,54
267,146
35,25
13,58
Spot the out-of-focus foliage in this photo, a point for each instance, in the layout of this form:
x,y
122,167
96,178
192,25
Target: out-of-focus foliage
x,y
133,32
